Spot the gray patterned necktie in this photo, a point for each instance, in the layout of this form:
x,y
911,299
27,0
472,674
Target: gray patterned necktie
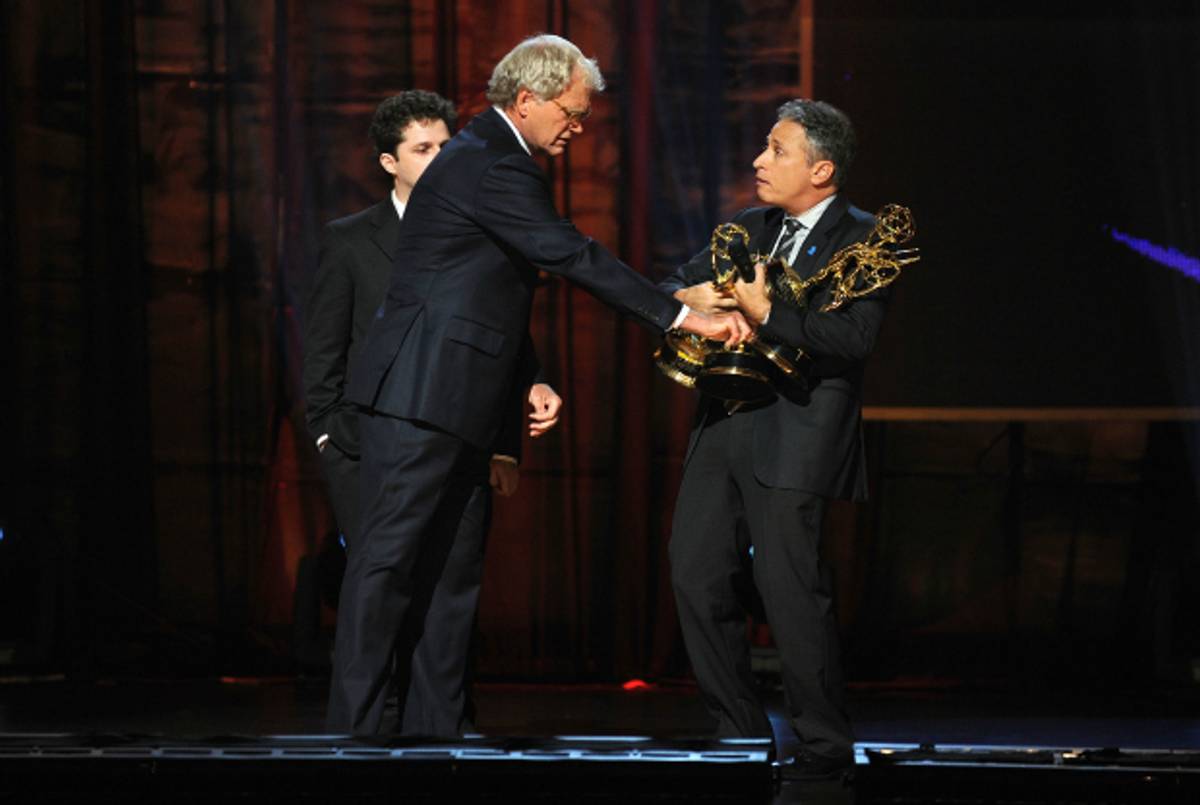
x,y
792,232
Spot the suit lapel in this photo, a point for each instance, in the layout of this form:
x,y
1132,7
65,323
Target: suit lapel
x,y
764,239
813,252
387,228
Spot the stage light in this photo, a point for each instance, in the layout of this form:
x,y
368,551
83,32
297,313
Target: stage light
x,y
1168,256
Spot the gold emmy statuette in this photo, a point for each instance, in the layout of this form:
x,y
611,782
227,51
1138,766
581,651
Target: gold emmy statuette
x,y
756,372
729,250
748,373
855,270
741,374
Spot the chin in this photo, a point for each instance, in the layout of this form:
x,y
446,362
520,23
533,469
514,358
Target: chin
x,y
765,195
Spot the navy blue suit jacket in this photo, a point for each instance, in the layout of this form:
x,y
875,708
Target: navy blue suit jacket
x,y
816,447
450,345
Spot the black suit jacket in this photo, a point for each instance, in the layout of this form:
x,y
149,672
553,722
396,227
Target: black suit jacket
x,y
815,447
356,257
450,346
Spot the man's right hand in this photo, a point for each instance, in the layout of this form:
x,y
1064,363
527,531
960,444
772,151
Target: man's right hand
x,y
731,328
706,298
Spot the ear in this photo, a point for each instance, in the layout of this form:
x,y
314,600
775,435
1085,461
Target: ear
x,y
822,172
388,162
524,98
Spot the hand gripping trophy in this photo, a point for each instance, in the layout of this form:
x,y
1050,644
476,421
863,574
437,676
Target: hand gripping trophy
x,y
756,372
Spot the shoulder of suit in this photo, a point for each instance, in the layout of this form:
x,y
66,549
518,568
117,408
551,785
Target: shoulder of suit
x,y
861,216
862,223
484,136
359,219
478,149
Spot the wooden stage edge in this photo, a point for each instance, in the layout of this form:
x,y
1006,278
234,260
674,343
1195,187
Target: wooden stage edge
x,y
881,413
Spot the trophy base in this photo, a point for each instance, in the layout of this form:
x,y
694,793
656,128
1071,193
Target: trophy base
x,y
736,382
751,373
791,367
681,357
668,368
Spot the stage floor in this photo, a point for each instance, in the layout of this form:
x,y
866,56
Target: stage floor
x,y
916,743
1168,718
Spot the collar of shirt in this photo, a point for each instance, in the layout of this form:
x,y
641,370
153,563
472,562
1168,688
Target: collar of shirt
x,y
808,219
813,214
513,126
398,204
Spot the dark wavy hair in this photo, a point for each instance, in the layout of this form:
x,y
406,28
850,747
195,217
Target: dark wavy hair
x,y
394,115
829,131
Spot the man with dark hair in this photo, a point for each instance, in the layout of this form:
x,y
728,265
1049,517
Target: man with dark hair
x,y
756,481
448,351
408,130
397,113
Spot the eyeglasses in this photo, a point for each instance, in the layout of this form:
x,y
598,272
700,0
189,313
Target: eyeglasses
x,y
574,118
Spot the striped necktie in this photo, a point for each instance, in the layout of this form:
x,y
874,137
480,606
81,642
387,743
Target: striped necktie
x,y
792,233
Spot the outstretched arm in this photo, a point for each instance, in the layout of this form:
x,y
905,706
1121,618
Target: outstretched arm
x,y
514,203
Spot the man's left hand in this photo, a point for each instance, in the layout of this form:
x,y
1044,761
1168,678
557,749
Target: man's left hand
x,y
752,297
503,476
546,405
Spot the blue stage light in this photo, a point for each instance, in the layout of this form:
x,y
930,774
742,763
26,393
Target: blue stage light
x,y
1168,256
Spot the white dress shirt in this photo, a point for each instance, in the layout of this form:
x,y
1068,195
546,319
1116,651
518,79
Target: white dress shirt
x,y
808,219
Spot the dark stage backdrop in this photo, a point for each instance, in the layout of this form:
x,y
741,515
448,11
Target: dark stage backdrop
x,y
167,166
1045,156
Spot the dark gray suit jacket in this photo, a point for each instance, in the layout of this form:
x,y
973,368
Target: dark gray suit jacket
x,y
356,257
815,447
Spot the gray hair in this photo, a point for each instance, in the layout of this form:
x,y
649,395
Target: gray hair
x,y
829,131
544,65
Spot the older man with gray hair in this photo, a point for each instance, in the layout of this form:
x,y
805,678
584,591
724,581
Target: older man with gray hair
x,y
447,360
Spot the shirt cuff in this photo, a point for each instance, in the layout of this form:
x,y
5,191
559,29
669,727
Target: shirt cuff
x,y
684,310
502,457
324,437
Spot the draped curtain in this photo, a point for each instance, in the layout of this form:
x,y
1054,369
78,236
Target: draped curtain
x,y
167,165
185,155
